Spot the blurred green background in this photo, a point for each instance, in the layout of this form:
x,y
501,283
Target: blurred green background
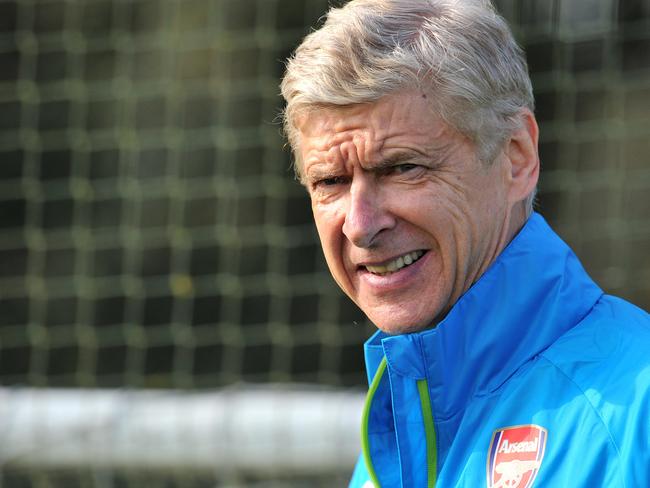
x,y
151,232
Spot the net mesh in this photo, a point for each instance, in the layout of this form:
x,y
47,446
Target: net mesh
x,y
151,234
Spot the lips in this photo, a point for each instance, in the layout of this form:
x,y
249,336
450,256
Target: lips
x,y
395,264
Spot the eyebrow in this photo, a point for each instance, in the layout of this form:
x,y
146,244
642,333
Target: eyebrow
x,y
398,158
434,157
317,171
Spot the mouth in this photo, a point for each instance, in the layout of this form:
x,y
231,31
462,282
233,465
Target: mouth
x,y
396,264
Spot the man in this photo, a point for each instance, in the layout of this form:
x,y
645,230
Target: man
x,y
498,360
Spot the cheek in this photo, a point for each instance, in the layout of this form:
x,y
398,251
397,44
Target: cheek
x,y
329,232
445,216
433,211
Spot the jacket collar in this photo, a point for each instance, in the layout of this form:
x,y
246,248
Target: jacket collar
x,y
533,293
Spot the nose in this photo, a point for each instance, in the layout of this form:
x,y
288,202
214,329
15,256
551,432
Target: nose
x,y
367,214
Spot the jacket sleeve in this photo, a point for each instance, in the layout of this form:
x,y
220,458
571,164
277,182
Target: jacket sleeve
x,y
360,476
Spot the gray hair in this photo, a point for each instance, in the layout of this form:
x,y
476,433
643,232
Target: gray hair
x,y
460,51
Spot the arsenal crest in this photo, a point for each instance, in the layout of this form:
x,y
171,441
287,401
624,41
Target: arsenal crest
x,y
515,456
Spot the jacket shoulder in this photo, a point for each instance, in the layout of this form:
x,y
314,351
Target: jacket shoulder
x,y
614,336
606,357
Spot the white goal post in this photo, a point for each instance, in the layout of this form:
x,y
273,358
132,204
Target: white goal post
x,y
260,430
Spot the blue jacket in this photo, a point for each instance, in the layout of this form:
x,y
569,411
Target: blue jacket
x,y
534,377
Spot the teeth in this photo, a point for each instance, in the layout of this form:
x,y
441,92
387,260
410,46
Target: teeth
x,y
396,264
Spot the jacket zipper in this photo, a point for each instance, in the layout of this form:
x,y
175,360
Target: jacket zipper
x,y
427,419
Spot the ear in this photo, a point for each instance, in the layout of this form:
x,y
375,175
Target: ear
x,y
521,151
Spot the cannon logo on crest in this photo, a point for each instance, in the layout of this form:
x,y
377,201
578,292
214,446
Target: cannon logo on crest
x,y
515,456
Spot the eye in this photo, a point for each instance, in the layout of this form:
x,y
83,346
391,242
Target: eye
x,y
403,168
329,181
327,185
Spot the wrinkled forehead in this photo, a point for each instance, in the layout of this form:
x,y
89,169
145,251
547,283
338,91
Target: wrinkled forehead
x,y
318,126
372,133
392,118
322,123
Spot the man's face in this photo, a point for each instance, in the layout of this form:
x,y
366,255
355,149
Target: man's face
x,y
407,216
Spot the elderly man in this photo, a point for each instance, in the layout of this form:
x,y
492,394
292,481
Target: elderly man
x,y
497,360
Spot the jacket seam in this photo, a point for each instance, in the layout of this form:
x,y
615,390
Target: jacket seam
x,y
594,409
388,352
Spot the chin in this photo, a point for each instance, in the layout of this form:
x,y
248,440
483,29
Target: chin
x,y
396,320
396,328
